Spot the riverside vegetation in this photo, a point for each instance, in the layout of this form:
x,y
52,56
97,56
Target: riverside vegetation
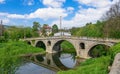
x,y
110,28
10,55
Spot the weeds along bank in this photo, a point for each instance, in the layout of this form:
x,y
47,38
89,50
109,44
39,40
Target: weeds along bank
x,y
10,52
96,65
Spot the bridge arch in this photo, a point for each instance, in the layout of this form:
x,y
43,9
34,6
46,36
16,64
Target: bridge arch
x,y
49,43
56,46
82,45
40,44
28,42
96,50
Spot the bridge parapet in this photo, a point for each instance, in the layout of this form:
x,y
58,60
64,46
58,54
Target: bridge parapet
x,y
75,38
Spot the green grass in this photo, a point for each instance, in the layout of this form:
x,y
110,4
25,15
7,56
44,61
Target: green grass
x,y
10,52
114,50
91,66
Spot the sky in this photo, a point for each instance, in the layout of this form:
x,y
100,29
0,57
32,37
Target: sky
x,y
74,13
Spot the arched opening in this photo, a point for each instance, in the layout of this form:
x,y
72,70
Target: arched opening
x,y
49,43
41,44
98,50
58,63
28,42
64,46
48,61
39,58
82,46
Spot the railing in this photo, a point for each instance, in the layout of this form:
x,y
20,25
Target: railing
x,y
73,37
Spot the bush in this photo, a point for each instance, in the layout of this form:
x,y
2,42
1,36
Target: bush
x,y
2,39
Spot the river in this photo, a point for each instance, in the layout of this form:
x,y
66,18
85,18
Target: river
x,y
47,63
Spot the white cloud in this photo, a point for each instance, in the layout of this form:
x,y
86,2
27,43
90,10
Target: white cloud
x,y
16,16
13,16
48,13
2,1
42,13
28,2
83,15
53,3
95,3
55,10
70,9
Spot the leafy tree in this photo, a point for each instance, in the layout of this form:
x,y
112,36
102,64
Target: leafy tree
x,y
36,26
43,29
112,17
54,28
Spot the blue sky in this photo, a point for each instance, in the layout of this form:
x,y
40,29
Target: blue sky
x,y
75,13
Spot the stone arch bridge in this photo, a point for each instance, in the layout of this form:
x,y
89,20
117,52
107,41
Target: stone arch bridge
x,y
82,45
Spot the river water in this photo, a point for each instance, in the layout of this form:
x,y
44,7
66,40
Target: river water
x,y
47,63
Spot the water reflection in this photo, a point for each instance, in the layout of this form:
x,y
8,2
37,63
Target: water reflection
x,y
31,68
47,63
39,64
55,61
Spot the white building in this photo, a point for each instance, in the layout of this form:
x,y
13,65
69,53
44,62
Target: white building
x,y
62,34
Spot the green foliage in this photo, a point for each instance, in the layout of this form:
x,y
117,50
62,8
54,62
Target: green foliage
x,y
91,30
99,50
36,26
91,66
2,39
67,47
114,50
74,30
10,55
109,29
54,28
16,33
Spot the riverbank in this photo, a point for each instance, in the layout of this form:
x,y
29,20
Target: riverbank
x,y
10,53
96,65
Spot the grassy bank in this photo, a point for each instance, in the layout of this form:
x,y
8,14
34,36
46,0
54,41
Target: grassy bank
x,y
10,52
95,65
91,66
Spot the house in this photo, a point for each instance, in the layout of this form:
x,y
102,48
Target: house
x,y
45,31
62,34
48,30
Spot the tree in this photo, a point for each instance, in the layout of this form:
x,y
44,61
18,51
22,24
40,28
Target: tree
x,y
43,29
36,26
54,28
112,18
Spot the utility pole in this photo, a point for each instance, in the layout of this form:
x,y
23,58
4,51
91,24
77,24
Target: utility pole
x,y
1,28
61,25
24,31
